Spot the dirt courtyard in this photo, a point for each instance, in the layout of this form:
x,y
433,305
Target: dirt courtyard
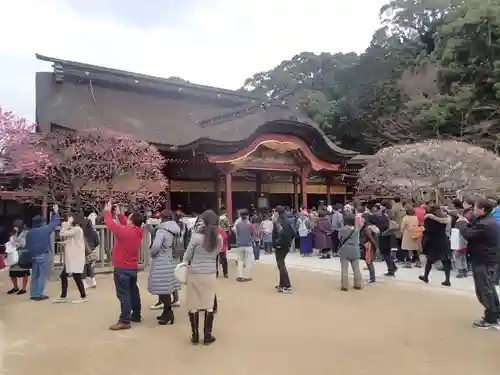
x,y
385,329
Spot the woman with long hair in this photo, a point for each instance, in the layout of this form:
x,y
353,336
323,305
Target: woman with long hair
x,y
161,281
435,243
201,254
74,257
19,271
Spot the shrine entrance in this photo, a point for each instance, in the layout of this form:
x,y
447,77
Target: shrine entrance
x,y
278,154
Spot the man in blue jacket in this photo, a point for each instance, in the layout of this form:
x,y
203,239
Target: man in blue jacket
x,y
38,243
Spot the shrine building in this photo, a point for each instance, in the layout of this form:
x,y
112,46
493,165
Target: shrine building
x,y
222,147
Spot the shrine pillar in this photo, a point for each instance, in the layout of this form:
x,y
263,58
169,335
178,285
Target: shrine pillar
x,y
295,192
217,192
304,174
258,188
328,196
229,195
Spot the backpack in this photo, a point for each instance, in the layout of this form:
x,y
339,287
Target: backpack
x,y
178,246
303,231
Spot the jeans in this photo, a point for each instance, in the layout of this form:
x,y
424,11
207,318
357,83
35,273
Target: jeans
x,y
245,261
89,270
256,250
127,292
484,277
284,281
460,258
39,275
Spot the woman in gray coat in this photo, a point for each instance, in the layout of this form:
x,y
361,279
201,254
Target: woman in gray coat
x,y
161,281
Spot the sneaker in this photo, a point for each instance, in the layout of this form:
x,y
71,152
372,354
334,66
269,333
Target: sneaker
x,y
120,326
240,279
446,283
483,324
90,283
80,300
285,290
59,300
156,306
42,298
13,291
21,292
369,282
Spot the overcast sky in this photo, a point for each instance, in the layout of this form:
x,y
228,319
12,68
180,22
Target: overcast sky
x,y
213,42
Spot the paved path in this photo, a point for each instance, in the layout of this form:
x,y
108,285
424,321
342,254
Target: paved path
x,y
404,275
386,329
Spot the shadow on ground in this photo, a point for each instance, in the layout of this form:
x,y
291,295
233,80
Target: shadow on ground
x,y
384,329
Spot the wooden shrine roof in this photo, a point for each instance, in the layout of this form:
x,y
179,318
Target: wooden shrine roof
x,y
167,112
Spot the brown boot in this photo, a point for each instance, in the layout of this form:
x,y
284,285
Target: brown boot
x,y
120,326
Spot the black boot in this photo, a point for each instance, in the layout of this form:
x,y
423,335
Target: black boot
x,y
194,319
209,323
167,317
216,305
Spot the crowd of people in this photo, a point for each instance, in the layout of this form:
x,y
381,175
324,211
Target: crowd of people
x,y
466,235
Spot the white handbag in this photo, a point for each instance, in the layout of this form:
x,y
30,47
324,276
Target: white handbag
x,y
181,273
12,254
457,242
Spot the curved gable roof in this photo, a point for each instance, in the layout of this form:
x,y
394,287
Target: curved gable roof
x,y
162,111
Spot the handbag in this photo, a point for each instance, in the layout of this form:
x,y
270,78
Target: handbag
x,y
181,272
12,254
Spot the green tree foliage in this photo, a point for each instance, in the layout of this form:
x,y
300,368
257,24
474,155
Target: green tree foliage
x,y
431,71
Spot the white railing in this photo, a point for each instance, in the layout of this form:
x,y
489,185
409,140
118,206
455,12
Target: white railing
x,y
106,242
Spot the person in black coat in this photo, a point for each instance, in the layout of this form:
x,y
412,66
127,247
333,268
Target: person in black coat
x,y
483,244
435,242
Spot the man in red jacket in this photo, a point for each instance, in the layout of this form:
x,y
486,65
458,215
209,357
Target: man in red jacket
x,y
125,260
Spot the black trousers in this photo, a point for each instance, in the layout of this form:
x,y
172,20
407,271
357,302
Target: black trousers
x,y
335,241
280,262
222,259
484,278
385,251
78,281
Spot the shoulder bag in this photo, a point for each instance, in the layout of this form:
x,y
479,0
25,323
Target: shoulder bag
x,y
346,239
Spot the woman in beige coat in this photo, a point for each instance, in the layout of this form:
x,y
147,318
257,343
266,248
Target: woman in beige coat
x,y
74,257
411,238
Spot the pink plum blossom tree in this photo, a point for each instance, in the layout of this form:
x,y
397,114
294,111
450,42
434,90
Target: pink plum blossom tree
x,y
83,166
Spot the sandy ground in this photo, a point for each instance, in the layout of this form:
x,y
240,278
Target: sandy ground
x,y
384,329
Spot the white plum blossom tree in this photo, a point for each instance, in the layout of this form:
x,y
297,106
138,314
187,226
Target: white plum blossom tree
x,y
432,166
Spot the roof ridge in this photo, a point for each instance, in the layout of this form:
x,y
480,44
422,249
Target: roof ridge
x,y
102,69
247,108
